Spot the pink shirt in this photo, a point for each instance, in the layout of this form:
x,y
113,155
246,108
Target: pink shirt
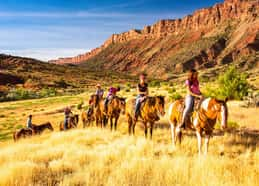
x,y
194,87
112,91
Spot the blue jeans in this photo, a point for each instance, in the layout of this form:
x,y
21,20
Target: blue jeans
x,y
138,103
189,103
65,122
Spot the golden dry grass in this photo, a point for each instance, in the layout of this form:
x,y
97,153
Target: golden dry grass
x,y
96,156
100,157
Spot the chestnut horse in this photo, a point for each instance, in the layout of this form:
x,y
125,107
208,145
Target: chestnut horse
x,y
98,110
22,133
38,129
114,108
150,111
202,120
72,122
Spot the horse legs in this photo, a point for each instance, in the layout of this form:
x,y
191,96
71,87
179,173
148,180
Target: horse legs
x,y
111,122
116,121
207,139
179,134
173,134
151,130
145,124
198,134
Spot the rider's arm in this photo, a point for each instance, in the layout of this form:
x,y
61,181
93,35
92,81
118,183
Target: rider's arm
x,y
191,93
139,92
147,92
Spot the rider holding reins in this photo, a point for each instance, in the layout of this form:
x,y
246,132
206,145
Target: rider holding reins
x,y
193,91
142,88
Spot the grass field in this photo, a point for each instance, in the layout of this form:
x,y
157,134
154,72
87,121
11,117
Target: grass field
x,y
96,156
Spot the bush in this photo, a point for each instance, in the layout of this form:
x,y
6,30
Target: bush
x,y
171,90
231,84
175,96
154,83
48,92
19,94
80,105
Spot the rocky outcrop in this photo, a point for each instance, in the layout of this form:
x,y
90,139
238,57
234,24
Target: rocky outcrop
x,y
202,21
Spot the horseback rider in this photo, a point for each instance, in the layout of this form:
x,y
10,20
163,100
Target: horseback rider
x,y
193,91
67,112
29,122
99,92
111,94
142,89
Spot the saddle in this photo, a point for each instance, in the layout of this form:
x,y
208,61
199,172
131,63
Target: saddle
x,y
196,107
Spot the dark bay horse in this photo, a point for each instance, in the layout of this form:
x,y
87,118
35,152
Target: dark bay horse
x,y
38,129
150,111
115,107
22,133
72,122
202,121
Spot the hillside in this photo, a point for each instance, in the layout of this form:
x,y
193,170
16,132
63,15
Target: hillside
x,y
30,74
215,36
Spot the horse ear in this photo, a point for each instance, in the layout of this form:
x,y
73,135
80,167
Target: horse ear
x,y
226,100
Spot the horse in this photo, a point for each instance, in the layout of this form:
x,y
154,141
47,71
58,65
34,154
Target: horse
x,y
150,111
72,122
38,129
114,109
98,110
202,120
23,133
87,119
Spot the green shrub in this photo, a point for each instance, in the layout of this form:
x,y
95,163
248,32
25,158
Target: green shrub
x,y
127,89
154,83
231,84
80,105
48,92
175,96
171,90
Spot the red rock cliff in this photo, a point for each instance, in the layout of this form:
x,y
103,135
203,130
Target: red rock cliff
x,y
202,20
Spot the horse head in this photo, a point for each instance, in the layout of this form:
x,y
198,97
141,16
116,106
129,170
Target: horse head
x,y
49,126
122,104
222,109
160,105
94,99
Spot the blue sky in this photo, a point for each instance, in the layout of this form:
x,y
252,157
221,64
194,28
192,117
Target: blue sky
x,y
47,29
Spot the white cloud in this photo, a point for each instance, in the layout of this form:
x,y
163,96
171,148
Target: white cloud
x,y
45,54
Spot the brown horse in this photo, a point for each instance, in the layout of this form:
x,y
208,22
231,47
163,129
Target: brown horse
x,y
87,119
38,129
114,109
150,111
22,133
202,120
98,110
72,122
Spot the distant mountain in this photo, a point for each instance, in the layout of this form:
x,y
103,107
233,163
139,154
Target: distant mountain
x,y
35,74
222,34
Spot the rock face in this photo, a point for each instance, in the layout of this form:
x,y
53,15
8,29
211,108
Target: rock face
x,y
224,32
